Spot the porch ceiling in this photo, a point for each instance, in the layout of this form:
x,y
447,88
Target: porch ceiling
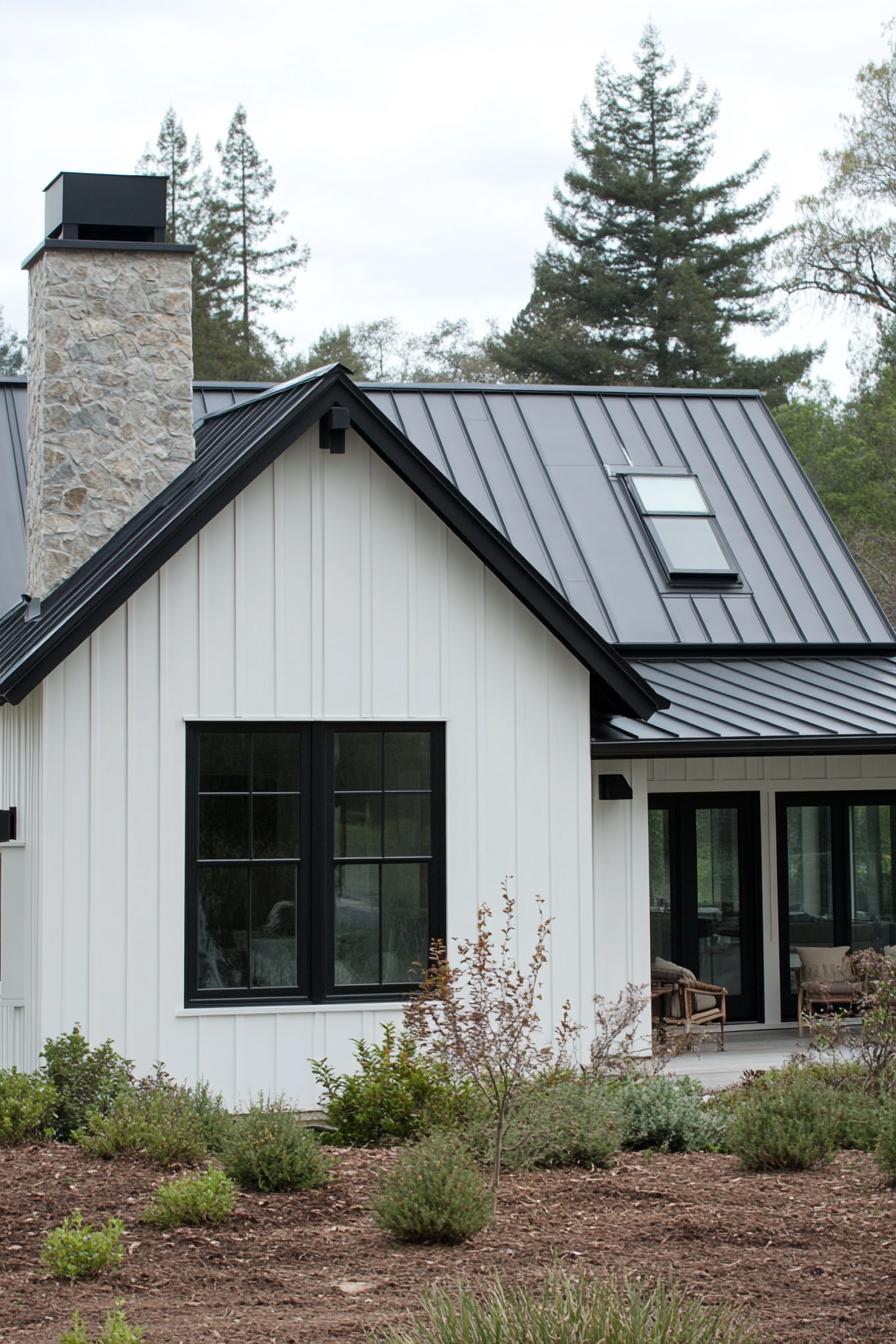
x,y
725,706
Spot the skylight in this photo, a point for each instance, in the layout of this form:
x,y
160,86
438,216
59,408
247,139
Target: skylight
x,y
682,527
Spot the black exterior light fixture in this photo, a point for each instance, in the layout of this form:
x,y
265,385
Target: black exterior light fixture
x,y
332,429
614,788
7,825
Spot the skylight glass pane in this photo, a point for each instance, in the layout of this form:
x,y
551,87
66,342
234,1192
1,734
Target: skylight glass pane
x,y
691,546
669,494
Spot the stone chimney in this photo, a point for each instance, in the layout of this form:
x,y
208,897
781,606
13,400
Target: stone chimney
x,y
110,404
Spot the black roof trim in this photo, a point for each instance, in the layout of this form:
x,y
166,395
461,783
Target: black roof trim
x,y
567,389
771,652
237,447
101,245
744,746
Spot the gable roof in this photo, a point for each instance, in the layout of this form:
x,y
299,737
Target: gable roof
x,y
233,446
534,460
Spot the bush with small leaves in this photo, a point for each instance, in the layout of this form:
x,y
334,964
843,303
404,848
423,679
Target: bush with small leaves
x,y
85,1080
269,1148
785,1127
395,1093
668,1114
554,1122
192,1200
568,1310
158,1118
75,1250
27,1106
434,1192
116,1330
886,1143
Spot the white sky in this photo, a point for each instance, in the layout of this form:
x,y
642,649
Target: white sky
x,y
415,146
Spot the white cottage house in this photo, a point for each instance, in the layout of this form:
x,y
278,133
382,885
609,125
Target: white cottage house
x,y
299,674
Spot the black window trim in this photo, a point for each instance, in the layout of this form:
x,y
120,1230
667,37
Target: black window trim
x,y
691,578
316,967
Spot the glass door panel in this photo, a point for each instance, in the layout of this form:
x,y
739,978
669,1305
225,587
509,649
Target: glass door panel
x,y
835,876
703,906
871,875
719,931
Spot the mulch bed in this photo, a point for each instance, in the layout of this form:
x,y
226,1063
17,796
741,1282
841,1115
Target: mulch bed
x,y
808,1256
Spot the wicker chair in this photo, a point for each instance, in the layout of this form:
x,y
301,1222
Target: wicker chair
x,y
827,977
682,1001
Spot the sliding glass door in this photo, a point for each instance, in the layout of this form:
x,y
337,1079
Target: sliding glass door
x,y
703,907
835,876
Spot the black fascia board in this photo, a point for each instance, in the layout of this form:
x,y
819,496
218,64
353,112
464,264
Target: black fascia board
x,y
671,653
659,748
138,550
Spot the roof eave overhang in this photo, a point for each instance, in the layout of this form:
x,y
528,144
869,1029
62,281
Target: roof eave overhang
x,y
615,687
619,749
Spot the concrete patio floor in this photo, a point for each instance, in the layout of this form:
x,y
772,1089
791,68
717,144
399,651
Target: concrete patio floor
x,y
745,1049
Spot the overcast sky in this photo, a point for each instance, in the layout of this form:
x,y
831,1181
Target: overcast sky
x,y
415,146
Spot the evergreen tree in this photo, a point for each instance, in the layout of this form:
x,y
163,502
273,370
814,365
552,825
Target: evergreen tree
x,y
188,187
12,349
652,268
257,275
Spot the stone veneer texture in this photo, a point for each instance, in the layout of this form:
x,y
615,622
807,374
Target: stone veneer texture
x,y
110,409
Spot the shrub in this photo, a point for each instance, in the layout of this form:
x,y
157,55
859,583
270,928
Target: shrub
x,y
569,1310
75,1250
269,1148
668,1114
192,1200
395,1094
845,1088
553,1123
85,1080
886,1144
116,1330
786,1126
27,1106
165,1121
434,1192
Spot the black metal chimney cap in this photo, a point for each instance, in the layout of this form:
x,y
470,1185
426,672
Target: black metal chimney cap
x,y
106,207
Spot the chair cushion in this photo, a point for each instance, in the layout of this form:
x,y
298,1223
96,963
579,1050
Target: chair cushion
x,y
890,951
825,963
703,1002
668,971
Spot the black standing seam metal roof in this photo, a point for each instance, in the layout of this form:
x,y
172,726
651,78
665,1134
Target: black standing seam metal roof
x,y
232,448
757,705
536,462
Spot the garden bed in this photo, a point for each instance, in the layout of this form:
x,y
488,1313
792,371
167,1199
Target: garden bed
x,y
808,1255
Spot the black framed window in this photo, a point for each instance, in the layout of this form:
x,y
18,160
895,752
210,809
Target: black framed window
x,y
315,860
836,875
682,527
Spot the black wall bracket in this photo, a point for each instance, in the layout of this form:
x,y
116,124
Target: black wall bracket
x,y
332,429
614,787
7,825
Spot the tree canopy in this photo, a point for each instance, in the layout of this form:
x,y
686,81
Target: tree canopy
x,y
652,268
12,349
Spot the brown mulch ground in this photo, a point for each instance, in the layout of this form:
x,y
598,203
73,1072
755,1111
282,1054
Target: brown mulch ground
x,y
808,1256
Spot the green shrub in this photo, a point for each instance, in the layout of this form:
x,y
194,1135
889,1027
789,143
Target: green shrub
x,y
85,1080
846,1088
191,1200
786,1126
434,1192
553,1123
886,1143
394,1094
158,1118
569,1310
116,1330
668,1114
269,1148
75,1250
27,1106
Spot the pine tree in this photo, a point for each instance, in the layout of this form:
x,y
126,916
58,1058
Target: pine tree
x,y
652,268
188,187
257,275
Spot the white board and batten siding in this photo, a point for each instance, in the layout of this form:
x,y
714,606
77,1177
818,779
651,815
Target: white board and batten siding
x,y
326,591
622,901
20,755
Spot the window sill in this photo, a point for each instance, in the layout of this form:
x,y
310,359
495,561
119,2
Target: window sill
x,y
268,1009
